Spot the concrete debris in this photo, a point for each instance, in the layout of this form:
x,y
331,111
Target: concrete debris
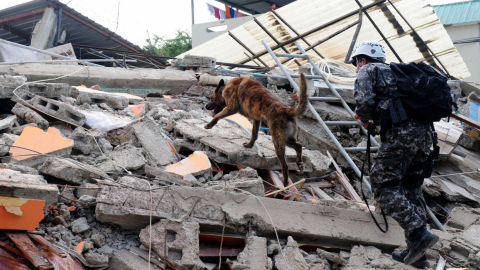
x,y
95,258
126,260
181,240
86,141
69,170
124,156
145,134
114,101
291,257
343,223
19,130
29,116
254,256
6,124
52,107
27,186
80,225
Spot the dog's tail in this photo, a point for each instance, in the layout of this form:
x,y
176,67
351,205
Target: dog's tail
x,y
302,100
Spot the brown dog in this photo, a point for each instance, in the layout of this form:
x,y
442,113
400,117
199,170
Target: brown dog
x,y
251,99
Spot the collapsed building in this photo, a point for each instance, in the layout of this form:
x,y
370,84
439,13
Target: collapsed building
x,y
111,168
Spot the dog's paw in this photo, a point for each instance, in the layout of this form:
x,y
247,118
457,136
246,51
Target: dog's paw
x,y
248,145
301,167
208,126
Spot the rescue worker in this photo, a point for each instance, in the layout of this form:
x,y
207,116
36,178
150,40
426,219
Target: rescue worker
x,y
398,171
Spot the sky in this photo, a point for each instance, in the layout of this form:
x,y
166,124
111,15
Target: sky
x,y
157,17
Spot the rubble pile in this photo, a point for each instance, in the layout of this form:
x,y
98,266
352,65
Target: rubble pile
x,y
118,182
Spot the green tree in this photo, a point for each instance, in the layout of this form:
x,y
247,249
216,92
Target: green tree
x,y
169,47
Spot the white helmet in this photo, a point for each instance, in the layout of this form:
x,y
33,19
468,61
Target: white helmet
x,y
370,48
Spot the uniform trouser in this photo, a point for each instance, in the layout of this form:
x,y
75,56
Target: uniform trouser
x,y
397,174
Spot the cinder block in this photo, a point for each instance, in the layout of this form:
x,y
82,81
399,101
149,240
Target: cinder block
x,y
53,90
52,107
115,101
199,61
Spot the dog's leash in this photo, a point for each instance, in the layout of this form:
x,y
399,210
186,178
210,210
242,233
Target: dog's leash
x,y
367,157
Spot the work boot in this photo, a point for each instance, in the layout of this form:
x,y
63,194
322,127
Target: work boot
x,y
422,263
421,240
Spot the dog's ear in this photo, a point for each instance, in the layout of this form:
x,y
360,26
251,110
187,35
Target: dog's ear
x,y
221,84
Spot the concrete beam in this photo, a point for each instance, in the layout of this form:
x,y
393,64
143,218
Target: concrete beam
x,y
164,81
45,30
329,223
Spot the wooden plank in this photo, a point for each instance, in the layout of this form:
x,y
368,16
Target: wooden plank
x,y
46,244
344,181
23,242
279,184
321,184
11,249
321,194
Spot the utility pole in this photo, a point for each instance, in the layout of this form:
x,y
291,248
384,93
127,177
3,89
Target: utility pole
x,y
193,14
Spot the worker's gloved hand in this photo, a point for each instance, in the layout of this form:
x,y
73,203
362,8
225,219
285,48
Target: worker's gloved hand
x,y
365,125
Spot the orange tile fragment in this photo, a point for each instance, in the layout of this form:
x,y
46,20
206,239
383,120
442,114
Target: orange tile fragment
x,y
71,208
35,139
138,109
195,163
242,120
80,247
27,214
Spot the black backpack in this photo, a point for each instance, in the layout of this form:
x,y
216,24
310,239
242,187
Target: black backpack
x,y
423,92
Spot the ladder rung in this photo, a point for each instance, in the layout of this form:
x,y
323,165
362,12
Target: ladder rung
x,y
290,55
341,123
324,99
360,149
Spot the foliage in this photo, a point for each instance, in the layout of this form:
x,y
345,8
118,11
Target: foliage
x,y
169,47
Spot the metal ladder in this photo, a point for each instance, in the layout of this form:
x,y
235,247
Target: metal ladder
x,y
337,98
325,124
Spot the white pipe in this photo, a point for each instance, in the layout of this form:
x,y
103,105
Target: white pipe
x,y
44,52
65,61
214,80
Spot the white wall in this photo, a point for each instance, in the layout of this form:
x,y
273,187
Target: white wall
x,y
200,33
470,52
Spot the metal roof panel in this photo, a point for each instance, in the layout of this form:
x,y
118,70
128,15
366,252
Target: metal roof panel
x,y
305,15
457,13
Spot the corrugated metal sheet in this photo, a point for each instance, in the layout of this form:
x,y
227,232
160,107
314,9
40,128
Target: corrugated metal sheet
x,y
305,15
455,13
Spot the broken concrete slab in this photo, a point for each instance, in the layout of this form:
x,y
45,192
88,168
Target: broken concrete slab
x,y
52,90
125,155
246,179
18,185
52,107
6,124
196,164
342,224
132,99
19,168
254,256
29,115
182,243
147,134
125,260
68,170
291,257
86,141
224,144
158,173
50,142
115,101
161,80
